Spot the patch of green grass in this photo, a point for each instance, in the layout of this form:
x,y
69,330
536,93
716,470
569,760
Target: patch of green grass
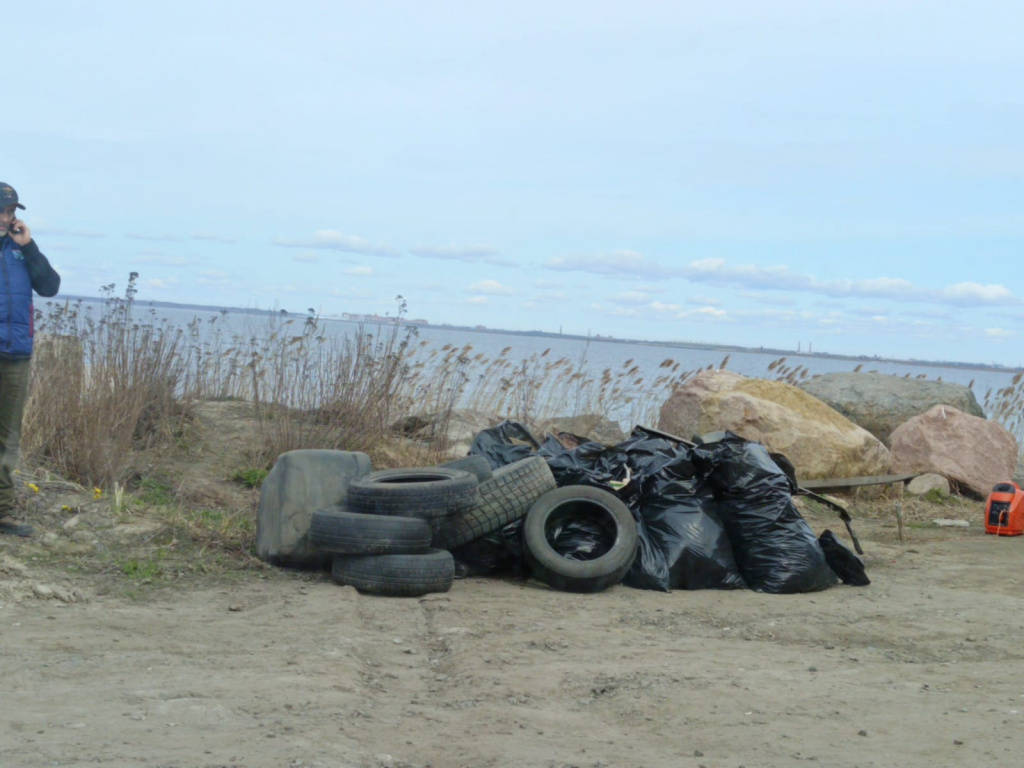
x,y
208,517
155,494
937,496
141,570
250,478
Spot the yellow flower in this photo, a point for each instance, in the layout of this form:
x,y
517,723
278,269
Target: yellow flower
x,y
65,508
34,487
97,493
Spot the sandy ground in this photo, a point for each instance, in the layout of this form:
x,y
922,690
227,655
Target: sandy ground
x,y
283,669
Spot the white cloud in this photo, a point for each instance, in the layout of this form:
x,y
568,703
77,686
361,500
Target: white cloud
x,y
155,238
713,312
657,306
491,288
631,297
974,293
781,278
469,253
306,258
161,259
761,298
435,288
998,333
546,284
709,300
160,283
213,238
869,311
332,240
621,263
41,226
478,300
359,271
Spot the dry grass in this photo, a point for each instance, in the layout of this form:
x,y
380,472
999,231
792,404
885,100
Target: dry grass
x,y
102,387
1006,406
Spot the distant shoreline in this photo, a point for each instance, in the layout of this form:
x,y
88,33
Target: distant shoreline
x,y
727,348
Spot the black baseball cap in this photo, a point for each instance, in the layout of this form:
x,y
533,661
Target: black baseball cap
x,y
8,196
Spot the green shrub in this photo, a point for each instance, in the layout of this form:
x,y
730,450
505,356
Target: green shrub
x,y
251,478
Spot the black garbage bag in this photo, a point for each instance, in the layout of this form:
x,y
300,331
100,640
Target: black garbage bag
x,y
504,444
581,539
774,547
486,556
843,561
590,463
497,554
688,546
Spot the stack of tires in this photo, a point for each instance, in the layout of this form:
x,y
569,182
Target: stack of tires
x,y
381,535
393,533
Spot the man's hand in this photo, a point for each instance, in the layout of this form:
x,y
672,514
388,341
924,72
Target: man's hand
x,y
19,232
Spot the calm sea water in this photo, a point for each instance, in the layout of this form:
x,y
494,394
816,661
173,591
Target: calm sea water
x,y
597,355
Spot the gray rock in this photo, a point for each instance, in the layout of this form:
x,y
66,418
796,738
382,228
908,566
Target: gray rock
x,y
300,483
880,403
927,482
593,426
453,432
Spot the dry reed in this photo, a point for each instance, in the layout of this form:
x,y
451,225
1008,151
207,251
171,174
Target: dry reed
x,y
106,384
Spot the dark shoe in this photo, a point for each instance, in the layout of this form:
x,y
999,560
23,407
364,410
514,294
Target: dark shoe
x,y
11,528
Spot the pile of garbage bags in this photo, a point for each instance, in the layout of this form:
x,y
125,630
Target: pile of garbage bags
x,y
717,515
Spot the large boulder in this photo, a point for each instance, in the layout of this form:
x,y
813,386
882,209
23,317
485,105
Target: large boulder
x,y
592,426
454,430
300,483
820,442
972,453
880,403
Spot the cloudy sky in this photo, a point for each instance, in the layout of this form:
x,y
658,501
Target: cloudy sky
x,y
847,174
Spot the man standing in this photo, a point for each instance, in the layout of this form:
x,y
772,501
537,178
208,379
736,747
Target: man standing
x,y
23,269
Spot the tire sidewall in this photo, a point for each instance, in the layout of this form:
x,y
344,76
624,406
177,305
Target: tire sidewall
x,y
580,575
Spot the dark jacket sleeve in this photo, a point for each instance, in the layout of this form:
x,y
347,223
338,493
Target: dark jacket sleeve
x,y
45,280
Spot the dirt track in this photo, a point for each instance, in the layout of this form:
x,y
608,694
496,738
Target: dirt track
x,y
922,668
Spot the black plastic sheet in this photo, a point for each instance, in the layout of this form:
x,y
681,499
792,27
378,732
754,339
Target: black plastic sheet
x,y
504,444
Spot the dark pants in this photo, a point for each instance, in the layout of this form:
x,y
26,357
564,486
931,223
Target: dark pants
x,y
14,379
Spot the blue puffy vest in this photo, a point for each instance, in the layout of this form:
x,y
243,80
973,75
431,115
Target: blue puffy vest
x,y
15,302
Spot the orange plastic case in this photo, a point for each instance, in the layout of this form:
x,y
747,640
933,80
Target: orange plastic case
x,y
1004,512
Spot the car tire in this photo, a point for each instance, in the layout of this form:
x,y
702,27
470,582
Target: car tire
x,y
506,497
333,529
396,575
434,494
594,507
